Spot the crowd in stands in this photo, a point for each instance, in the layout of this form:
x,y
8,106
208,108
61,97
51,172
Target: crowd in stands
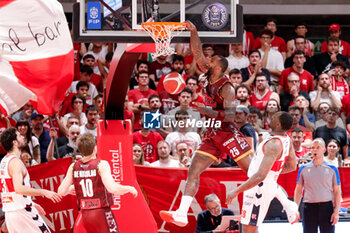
x,y
268,74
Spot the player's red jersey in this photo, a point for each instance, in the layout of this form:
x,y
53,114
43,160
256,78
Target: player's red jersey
x,y
90,190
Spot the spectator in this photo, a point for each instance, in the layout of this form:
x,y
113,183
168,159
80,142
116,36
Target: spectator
x,y
243,95
31,141
292,45
78,103
98,50
332,131
141,65
338,83
295,112
96,79
85,75
155,105
256,120
139,155
98,102
235,76
321,192
324,61
236,59
165,159
148,140
254,68
322,110
277,43
210,218
184,154
297,137
272,59
324,93
41,134
262,94
92,119
138,97
158,68
241,120
344,48
248,41
333,157
192,83
288,98
103,66
25,113
271,108
307,119
182,134
63,140
82,88
309,65
27,158
306,79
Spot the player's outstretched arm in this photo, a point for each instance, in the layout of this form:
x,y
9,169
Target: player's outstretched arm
x,y
110,184
272,151
17,171
64,187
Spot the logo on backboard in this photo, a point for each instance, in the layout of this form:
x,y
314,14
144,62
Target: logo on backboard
x,y
215,16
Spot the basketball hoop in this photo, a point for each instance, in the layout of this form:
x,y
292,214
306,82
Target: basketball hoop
x,y
162,33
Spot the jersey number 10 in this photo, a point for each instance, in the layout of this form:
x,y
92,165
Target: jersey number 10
x,y
86,186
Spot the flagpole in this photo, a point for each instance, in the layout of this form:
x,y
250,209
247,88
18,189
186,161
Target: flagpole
x,y
54,138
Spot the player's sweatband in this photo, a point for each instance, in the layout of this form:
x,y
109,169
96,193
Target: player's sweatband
x,y
221,116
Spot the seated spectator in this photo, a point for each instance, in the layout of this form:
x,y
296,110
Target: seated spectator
x,y
321,111
332,155
288,98
25,113
85,75
309,63
295,112
332,131
241,120
324,61
261,95
165,160
27,158
158,68
31,141
324,93
297,137
139,155
256,120
148,140
103,67
307,119
184,154
138,97
243,93
96,79
5,123
98,50
346,162
338,83
306,79
92,117
192,83
98,102
236,59
344,48
78,103
182,134
210,218
271,108
235,76
141,65
253,69
82,88
292,45
63,140
43,135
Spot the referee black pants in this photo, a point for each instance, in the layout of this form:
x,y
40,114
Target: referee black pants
x,y
318,215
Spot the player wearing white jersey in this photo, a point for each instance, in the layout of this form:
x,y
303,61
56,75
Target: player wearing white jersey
x,y
21,213
274,156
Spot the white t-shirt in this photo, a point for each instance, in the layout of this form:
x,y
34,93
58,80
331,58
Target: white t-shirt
x,y
34,143
83,130
192,139
325,97
171,163
237,63
83,119
92,93
274,62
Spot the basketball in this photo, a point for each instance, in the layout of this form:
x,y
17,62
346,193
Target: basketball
x,y
173,83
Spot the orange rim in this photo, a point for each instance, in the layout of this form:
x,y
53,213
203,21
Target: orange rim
x,y
161,34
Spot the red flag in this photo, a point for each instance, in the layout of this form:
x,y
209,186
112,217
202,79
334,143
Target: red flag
x,y
36,53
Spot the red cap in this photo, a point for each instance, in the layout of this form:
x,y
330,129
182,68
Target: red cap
x,y
334,27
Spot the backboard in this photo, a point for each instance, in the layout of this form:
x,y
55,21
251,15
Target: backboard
x,y
219,22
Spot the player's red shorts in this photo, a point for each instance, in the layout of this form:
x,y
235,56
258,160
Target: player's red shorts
x,y
99,220
218,143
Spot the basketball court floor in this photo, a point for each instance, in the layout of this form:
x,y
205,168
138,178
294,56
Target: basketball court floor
x,y
341,227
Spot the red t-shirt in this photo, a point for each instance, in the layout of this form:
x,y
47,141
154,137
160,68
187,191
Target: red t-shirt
x,y
76,49
306,80
307,132
277,43
168,101
67,105
140,97
128,114
345,101
149,144
160,86
248,45
3,127
159,69
344,47
302,152
342,87
97,81
260,103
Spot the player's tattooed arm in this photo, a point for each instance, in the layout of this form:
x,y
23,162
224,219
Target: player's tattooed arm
x,y
291,163
196,47
227,92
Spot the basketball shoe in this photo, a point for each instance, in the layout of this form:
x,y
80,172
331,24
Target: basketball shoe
x,y
174,217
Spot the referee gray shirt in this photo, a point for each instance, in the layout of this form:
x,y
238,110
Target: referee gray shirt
x,y
318,181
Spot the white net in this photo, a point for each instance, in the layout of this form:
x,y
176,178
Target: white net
x,y
162,33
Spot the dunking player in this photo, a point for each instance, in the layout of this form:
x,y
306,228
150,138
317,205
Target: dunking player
x,y
274,156
225,140
21,213
94,186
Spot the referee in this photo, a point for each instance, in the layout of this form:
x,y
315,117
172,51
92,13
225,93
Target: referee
x,y
321,185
